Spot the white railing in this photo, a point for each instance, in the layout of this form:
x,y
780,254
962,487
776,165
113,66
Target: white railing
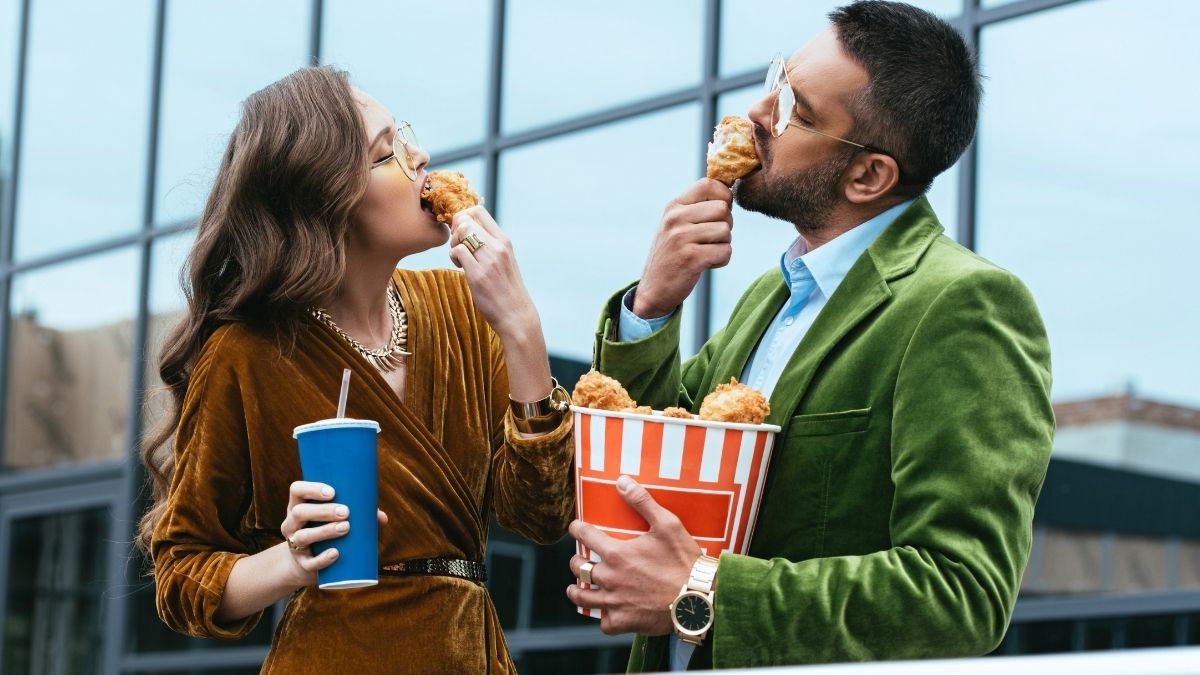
x,y
1167,661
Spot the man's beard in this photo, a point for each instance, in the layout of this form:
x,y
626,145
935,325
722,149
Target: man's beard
x,y
804,199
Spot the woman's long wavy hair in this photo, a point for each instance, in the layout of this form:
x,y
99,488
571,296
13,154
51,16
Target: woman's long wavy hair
x,y
270,241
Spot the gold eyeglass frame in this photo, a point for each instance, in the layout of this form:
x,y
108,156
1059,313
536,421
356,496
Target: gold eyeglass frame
x,y
776,83
403,143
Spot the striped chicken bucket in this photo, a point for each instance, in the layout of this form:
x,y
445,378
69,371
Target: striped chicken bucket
x,y
709,474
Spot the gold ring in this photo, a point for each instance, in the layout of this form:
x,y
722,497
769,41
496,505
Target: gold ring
x,y
292,543
472,241
585,572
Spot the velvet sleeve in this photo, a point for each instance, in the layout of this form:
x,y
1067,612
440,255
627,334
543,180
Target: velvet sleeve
x,y
197,542
533,482
650,367
971,438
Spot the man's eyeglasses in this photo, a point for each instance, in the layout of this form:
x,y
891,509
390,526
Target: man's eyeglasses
x,y
403,146
779,86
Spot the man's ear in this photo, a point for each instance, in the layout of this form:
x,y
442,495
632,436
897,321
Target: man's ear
x,y
870,176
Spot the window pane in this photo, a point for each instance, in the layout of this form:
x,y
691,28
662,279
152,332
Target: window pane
x,y
56,572
580,230
1066,200
752,31
166,305
553,575
10,25
1045,637
506,596
564,59
1152,631
71,328
943,197
217,53
427,63
574,660
83,154
758,241
475,171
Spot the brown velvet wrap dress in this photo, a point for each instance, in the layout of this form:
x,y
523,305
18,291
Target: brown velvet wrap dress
x,y
447,457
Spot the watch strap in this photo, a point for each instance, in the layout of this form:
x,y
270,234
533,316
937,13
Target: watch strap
x,y
704,573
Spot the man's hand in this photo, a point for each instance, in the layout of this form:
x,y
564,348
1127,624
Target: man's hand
x,y
695,235
638,578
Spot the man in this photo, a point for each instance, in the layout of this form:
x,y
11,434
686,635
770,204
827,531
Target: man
x,y
911,379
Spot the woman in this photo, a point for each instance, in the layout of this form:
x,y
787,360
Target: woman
x,y
294,277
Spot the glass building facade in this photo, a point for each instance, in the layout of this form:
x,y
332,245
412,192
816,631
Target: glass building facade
x,y
578,122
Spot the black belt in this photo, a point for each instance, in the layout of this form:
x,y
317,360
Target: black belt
x,y
444,567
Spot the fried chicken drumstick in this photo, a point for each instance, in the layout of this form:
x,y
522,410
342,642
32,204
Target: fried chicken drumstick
x,y
447,193
735,402
731,153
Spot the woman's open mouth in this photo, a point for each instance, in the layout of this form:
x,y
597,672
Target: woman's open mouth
x,y
425,205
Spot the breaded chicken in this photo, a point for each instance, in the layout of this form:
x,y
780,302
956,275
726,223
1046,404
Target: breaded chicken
x,y
597,390
731,153
640,410
447,193
735,402
677,413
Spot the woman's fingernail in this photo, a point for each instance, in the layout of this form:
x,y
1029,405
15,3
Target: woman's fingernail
x,y
341,511
332,553
342,526
326,491
625,483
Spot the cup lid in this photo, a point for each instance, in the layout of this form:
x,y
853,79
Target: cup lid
x,y
333,423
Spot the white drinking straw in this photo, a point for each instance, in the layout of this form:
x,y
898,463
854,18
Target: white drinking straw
x,y
345,390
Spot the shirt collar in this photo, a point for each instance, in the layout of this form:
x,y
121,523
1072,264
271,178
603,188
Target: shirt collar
x,y
830,262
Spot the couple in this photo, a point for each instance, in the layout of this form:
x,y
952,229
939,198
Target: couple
x,y
911,379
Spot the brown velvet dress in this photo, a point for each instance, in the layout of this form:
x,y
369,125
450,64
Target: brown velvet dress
x,y
447,457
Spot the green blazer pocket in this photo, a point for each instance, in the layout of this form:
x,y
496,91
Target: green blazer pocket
x,y
819,458
829,424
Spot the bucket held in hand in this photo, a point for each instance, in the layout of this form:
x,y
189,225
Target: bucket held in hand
x,y
709,474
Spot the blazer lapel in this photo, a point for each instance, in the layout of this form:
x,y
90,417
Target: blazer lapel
x,y
866,287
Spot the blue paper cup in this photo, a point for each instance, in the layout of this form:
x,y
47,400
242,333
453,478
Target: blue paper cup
x,y
342,454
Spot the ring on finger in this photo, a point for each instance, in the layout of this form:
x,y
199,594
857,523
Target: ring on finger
x,y
585,572
473,242
291,542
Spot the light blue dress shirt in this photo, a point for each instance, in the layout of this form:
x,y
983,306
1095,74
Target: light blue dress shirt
x,y
812,276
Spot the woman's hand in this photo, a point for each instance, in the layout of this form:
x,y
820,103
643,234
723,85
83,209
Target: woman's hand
x,y
499,292
299,537
493,275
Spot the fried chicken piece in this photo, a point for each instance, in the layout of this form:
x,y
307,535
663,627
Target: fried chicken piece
x,y
447,193
597,390
677,413
731,153
640,410
735,402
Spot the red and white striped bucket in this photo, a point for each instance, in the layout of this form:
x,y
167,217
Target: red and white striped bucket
x,y
709,474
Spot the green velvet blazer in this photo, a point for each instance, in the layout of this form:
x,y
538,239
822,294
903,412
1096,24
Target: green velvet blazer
x,y
917,428
448,458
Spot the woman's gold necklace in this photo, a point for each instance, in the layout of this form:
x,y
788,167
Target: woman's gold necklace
x,y
389,357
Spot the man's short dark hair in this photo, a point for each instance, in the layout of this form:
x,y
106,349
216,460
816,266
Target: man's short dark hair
x,y
922,98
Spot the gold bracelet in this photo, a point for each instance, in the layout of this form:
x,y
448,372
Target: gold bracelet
x,y
542,416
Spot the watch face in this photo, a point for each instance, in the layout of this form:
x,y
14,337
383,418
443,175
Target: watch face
x,y
693,613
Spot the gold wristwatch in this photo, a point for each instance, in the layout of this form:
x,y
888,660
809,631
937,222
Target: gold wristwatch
x,y
692,610
539,417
